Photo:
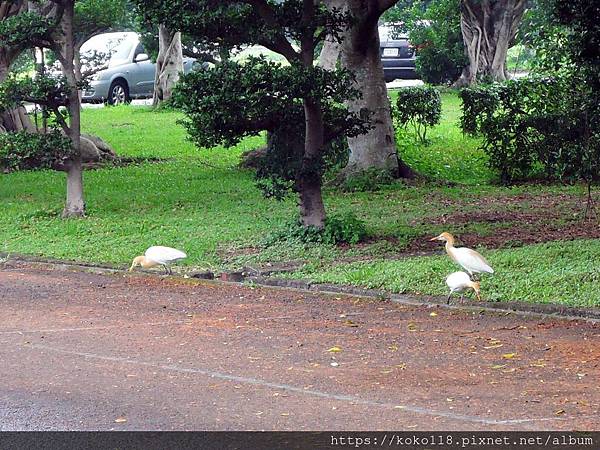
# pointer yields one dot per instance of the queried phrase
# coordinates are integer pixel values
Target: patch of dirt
(517, 220)
(533, 216)
(510, 220)
(515, 236)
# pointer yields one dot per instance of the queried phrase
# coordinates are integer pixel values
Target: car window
(139, 49)
(121, 54)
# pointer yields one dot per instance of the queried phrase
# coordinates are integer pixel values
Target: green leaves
(420, 106)
(29, 151)
(44, 90)
(338, 229)
(232, 101)
(24, 30)
(537, 127)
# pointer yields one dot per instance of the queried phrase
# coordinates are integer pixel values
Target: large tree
(169, 64)
(272, 97)
(360, 53)
(358, 50)
(50, 25)
(488, 28)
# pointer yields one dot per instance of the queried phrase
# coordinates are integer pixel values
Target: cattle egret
(460, 282)
(468, 259)
(158, 255)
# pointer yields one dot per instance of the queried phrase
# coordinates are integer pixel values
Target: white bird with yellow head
(158, 255)
(468, 259)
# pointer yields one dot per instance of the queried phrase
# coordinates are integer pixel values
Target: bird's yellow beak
(437, 238)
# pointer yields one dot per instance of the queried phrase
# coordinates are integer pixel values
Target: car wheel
(118, 94)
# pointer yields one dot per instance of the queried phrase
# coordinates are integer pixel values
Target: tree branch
(384, 5)
(280, 44)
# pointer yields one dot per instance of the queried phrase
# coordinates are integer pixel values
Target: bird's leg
(448, 299)
(462, 297)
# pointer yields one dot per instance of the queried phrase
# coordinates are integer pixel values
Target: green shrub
(535, 128)
(419, 106)
(31, 151)
(479, 103)
(338, 229)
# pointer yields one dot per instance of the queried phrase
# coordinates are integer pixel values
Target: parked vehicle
(130, 74)
(397, 55)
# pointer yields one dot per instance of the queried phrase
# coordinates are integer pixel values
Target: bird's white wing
(471, 260)
(164, 255)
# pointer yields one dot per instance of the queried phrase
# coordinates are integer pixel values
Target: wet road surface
(84, 351)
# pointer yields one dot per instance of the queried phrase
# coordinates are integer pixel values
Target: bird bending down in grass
(460, 282)
(158, 255)
(468, 259)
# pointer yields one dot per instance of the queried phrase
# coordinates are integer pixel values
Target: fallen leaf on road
(120, 420)
(334, 349)
(487, 347)
(559, 412)
(349, 323)
(508, 355)
(334, 364)
(433, 314)
(393, 348)
(412, 327)
(499, 366)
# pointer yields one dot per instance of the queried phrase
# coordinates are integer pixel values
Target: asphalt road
(83, 351)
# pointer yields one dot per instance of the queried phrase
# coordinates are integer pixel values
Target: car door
(142, 75)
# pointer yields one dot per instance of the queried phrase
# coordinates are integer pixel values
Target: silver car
(130, 74)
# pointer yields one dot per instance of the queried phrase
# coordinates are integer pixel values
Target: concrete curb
(520, 308)
(541, 310)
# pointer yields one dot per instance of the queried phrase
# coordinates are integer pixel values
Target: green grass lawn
(201, 202)
(450, 155)
(545, 273)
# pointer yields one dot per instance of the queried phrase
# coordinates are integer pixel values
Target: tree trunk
(308, 184)
(169, 64)
(360, 53)
(14, 119)
(77, 70)
(488, 29)
(75, 205)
